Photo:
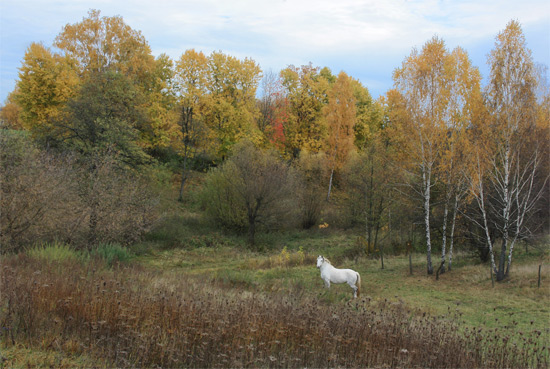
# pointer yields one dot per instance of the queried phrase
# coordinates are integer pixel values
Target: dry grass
(139, 317)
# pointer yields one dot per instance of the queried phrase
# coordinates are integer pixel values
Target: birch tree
(509, 162)
(463, 82)
(423, 84)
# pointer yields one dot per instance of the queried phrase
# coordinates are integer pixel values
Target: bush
(312, 192)
(220, 200)
(48, 196)
(252, 188)
(112, 253)
(38, 199)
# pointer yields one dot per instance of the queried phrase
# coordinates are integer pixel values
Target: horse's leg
(354, 287)
(327, 283)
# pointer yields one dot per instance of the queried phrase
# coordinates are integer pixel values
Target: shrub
(38, 197)
(252, 188)
(48, 197)
(311, 192)
(112, 253)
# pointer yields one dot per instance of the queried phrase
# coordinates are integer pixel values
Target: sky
(367, 39)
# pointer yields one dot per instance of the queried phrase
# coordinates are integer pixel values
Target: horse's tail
(358, 284)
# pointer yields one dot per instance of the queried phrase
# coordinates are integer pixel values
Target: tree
(423, 84)
(100, 43)
(253, 187)
(267, 102)
(46, 82)
(191, 81)
(507, 165)
(273, 110)
(102, 124)
(161, 130)
(369, 115)
(10, 113)
(312, 173)
(105, 117)
(437, 94)
(368, 179)
(36, 193)
(306, 91)
(340, 117)
(230, 109)
(463, 106)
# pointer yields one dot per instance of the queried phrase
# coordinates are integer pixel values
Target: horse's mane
(327, 260)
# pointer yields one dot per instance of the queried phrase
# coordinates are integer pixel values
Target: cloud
(366, 38)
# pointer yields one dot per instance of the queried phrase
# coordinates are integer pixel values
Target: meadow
(192, 296)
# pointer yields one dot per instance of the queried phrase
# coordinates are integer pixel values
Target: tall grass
(60, 254)
(112, 253)
(136, 317)
(54, 252)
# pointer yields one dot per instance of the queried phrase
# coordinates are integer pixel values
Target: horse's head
(320, 261)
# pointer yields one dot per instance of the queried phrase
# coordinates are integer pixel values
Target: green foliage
(105, 117)
(221, 202)
(54, 252)
(112, 253)
(251, 188)
(313, 173)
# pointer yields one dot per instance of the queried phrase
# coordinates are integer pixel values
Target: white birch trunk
(479, 195)
(426, 178)
(444, 237)
(455, 210)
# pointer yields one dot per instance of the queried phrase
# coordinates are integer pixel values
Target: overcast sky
(367, 39)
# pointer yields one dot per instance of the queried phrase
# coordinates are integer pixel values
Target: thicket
(51, 196)
(133, 317)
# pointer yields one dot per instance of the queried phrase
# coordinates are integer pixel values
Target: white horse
(331, 274)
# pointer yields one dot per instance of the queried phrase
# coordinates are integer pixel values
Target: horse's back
(343, 276)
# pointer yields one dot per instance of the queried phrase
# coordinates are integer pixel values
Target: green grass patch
(112, 253)
(19, 357)
(54, 252)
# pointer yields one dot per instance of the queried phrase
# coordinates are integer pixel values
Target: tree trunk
(480, 199)
(376, 243)
(252, 219)
(367, 228)
(251, 231)
(505, 215)
(444, 237)
(427, 184)
(501, 261)
(330, 184)
(187, 118)
(452, 235)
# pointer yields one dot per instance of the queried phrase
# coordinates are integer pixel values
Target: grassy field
(192, 296)
(517, 303)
